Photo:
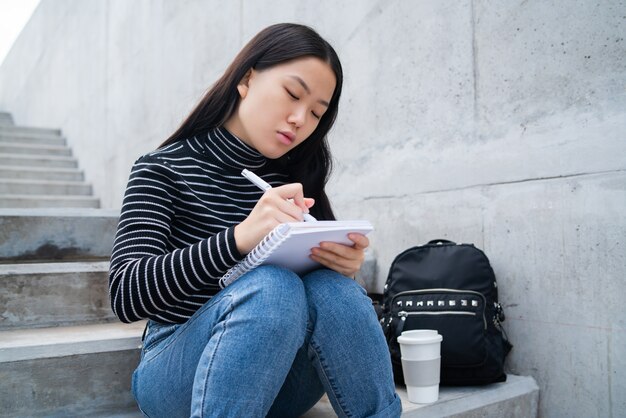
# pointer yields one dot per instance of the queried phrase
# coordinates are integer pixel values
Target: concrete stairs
(37, 169)
(62, 353)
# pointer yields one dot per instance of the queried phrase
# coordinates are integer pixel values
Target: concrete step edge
(34, 139)
(41, 343)
(458, 401)
(33, 182)
(63, 170)
(6, 118)
(46, 197)
(53, 268)
(28, 130)
(462, 401)
(36, 151)
(128, 412)
(38, 157)
(60, 212)
(35, 147)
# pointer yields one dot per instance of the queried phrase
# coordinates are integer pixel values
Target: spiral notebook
(289, 246)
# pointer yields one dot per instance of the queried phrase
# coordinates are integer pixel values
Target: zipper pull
(499, 312)
(400, 327)
(382, 321)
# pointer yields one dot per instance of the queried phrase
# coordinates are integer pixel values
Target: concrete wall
(497, 123)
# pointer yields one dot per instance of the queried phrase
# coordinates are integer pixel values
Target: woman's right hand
(272, 209)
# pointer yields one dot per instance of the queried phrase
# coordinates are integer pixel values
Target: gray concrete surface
(44, 387)
(368, 275)
(53, 294)
(44, 187)
(56, 234)
(71, 371)
(45, 201)
(501, 125)
(18, 148)
(12, 136)
(518, 397)
(6, 119)
(60, 174)
(35, 173)
(62, 341)
(51, 161)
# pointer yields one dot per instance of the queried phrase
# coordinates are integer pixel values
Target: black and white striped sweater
(175, 236)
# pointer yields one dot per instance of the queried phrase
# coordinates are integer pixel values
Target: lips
(285, 137)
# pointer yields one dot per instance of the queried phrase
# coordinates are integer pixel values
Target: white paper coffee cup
(421, 364)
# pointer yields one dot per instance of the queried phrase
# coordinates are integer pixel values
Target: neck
(234, 126)
(227, 148)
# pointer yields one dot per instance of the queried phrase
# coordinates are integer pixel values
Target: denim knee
(278, 297)
(332, 295)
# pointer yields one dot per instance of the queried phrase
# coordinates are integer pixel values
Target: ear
(244, 84)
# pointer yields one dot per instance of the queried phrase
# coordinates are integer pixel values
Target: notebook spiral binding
(256, 256)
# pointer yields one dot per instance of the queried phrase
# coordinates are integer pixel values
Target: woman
(271, 343)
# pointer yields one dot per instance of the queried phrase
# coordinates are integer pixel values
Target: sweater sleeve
(146, 279)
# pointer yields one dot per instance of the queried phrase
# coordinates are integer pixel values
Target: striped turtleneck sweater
(175, 236)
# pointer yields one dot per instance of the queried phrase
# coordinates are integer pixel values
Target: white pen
(263, 185)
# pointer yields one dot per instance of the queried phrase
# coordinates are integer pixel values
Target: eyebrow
(307, 89)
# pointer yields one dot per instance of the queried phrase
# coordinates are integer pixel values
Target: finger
(284, 211)
(341, 250)
(293, 191)
(335, 259)
(346, 271)
(272, 199)
(309, 202)
(361, 242)
(288, 207)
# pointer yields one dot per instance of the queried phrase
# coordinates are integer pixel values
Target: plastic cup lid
(420, 336)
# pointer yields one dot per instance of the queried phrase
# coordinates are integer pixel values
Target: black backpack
(450, 288)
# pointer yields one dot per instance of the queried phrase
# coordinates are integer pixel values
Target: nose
(297, 116)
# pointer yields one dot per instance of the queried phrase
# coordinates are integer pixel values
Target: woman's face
(281, 106)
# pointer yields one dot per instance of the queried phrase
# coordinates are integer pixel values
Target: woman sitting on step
(271, 343)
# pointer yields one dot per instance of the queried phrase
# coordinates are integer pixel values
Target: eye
(293, 96)
(315, 115)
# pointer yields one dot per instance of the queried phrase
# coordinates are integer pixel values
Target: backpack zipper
(442, 290)
(404, 314)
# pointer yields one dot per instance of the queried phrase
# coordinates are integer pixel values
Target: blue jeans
(270, 344)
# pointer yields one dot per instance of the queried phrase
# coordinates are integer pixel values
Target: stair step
(28, 130)
(46, 343)
(22, 138)
(132, 413)
(34, 149)
(6, 119)
(54, 234)
(38, 173)
(38, 161)
(43, 187)
(518, 397)
(44, 201)
(68, 371)
(75, 371)
(52, 294)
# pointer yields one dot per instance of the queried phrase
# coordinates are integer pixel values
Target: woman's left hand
(343, 259)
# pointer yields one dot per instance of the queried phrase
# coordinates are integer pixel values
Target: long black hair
(310, 163)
